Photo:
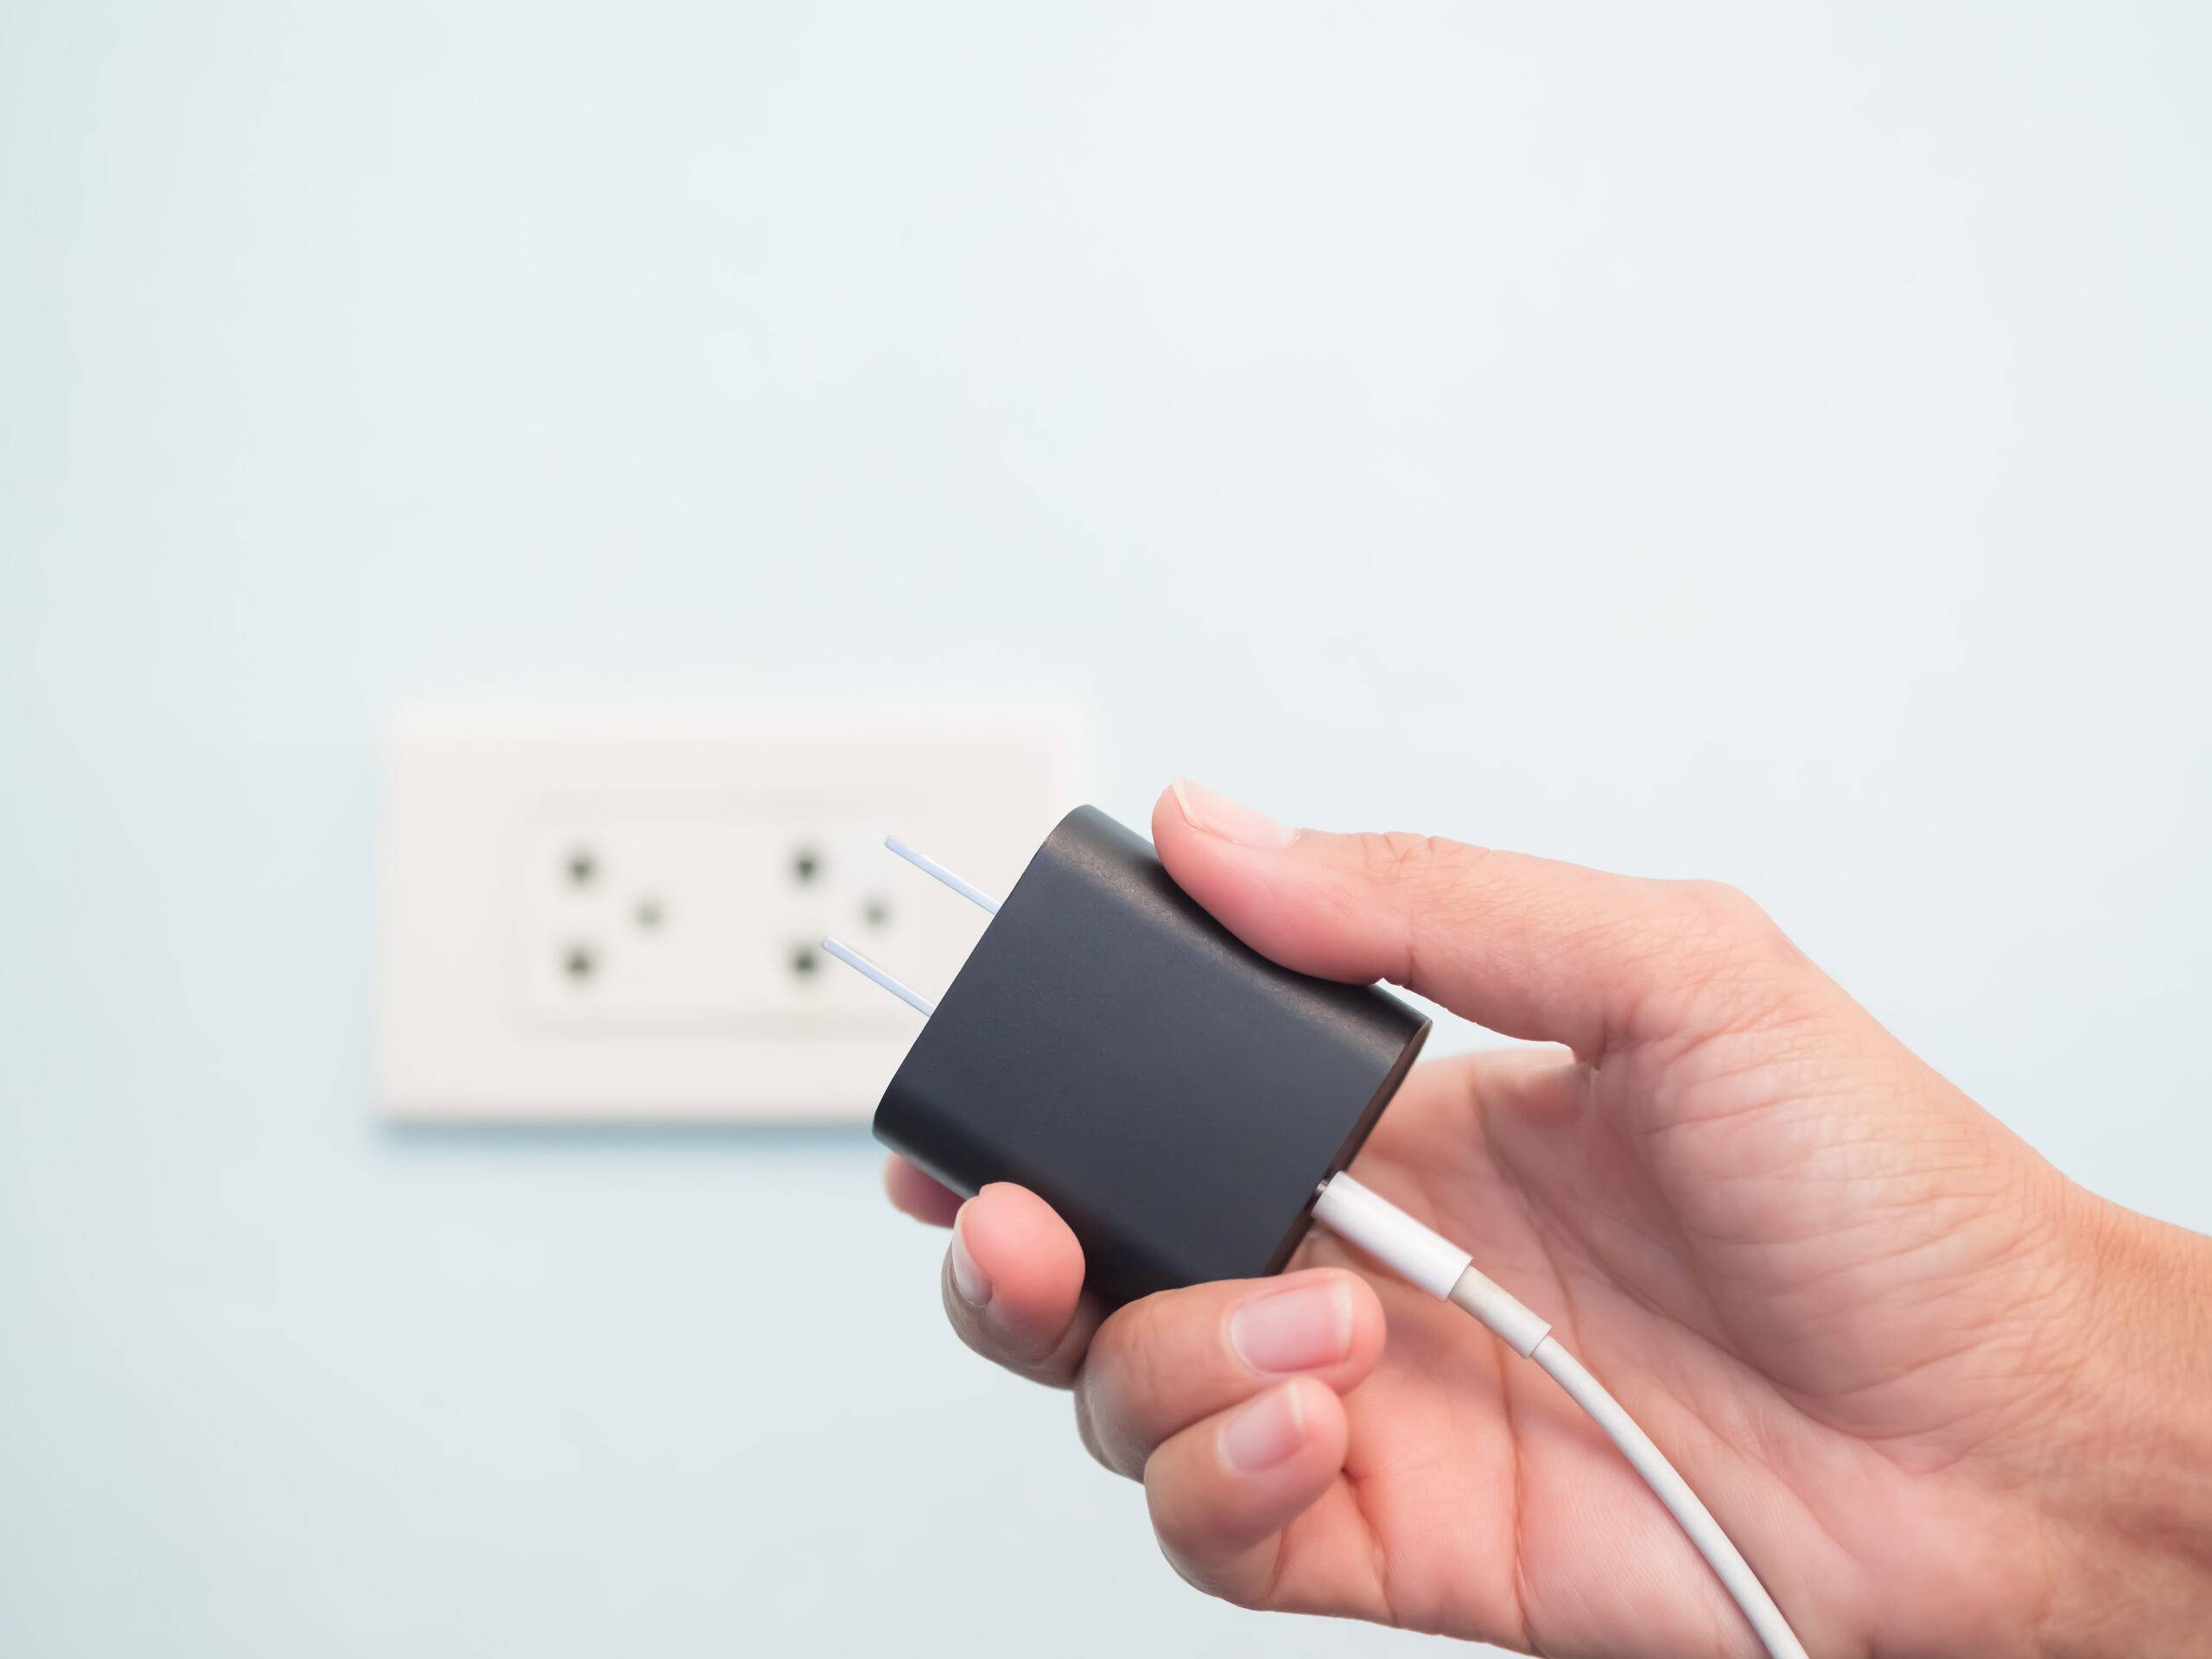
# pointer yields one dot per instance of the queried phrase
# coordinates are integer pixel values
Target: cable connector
(1417, 1254)
(1424, 1257)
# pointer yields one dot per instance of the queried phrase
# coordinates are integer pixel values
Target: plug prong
(924, 862)
(906, 994)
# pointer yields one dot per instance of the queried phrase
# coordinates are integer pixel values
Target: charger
(1189, 1108)
(1176, 1097)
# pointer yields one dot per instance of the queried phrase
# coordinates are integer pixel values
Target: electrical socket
(617, 919)
(665, 917)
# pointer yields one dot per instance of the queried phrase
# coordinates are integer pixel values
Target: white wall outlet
(619, 919)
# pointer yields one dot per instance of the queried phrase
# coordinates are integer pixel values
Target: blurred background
(1765, 441)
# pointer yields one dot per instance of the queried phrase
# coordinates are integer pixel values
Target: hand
(1944, 1401)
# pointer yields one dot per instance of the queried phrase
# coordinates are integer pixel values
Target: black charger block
(1176, 1097)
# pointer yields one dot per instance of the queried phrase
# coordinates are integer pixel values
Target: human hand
(1943, 1399)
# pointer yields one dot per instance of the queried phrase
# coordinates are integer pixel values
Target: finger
(1222, 1491)
(1522, 945)
(1013, 1285)
(917, 1195)
(1160, 1364)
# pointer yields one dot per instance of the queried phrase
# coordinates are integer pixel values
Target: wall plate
(617, 917)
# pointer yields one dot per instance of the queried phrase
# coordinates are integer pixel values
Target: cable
(1446, 1271)
(1726, 1560)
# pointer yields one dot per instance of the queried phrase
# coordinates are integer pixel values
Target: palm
(1733, 1246)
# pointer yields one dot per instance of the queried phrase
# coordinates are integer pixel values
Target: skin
(1945, 1401)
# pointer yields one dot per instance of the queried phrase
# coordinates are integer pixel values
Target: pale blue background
(1761, 441)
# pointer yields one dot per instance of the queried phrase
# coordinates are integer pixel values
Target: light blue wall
(1763, 440)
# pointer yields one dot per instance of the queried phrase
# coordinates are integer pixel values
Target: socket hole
(875, 912)
(650, 915)
(578, 963)
(581, 867)
(806, 865)
(806, 962)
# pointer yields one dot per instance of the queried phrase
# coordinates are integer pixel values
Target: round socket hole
(806, 961)
(806, 866)
(876, 912)
(581, 867)
(580, 962)
(649, 915)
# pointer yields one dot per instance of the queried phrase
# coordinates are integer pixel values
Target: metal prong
(924, 862)
(852, 958)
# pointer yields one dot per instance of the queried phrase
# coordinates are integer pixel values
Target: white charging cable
(1444, 1270)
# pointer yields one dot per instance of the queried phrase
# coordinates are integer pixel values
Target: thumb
(1526, 946)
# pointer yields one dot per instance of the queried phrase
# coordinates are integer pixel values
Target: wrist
(2128, 1485)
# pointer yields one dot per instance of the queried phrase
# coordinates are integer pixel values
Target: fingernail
(973, 1284)
(1300, 1330)
(1262, 1434)
(1214, 812)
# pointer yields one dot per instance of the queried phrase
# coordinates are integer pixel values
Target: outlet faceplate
(594, 918)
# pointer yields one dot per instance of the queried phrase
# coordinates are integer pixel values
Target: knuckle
(1086, 1423)
(1728, 909)
(1122, 1387)
(1181, 1547)
(1143, 1356)
(1208, 1582)
(1400, 856)
(1193, 1557)
(1722, 950)
(1710, 923)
